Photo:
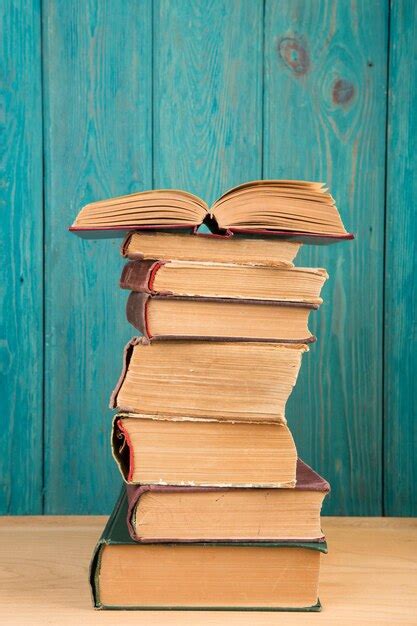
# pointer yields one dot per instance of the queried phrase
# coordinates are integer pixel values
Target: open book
(295, 209)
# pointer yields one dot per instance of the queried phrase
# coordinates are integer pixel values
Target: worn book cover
(219, 319)
(223, 381)
(179, 512)
(224, 280)
(125, 574)
(206, 247)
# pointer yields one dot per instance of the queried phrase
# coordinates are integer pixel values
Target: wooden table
(368, 577)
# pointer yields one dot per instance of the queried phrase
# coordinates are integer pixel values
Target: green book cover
(116, 533)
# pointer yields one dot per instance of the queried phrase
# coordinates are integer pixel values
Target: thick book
(296, 209)
(151, 451)
(224, 280)
(244, 576)
(222, 381)
(219, 319)
(199, 246)
(160, 513)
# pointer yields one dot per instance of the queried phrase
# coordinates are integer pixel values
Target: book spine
(136, 312)
(127, 353)
(139, 275)
(95, 563)
(124, 248)
(122, 449)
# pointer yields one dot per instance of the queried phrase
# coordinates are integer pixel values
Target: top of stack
(298, 210)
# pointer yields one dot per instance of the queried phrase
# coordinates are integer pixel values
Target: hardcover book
(268, 576)
(295, 209)
(199, 246)
(224, 280)
(219, 319)
(203, 453)
(221, 381)
(159, 513)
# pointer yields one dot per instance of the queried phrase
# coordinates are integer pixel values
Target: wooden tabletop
(368, 577)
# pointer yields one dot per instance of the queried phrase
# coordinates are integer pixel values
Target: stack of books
(218, 511)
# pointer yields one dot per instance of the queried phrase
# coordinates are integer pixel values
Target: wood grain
(325, 80)
(21, 325)
(98, 144)
(207, 94)
(202, 95)
(368, 577)
(400, 274)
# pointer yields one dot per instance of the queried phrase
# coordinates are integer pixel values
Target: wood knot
(294, 55)
(343, 91)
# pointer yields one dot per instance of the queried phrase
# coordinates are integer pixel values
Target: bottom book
(273, 576)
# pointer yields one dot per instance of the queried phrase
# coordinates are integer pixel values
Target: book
(219, 319)
(268, 576)
(201, 246)
(159, 513)
(224, 381)
(224, 280)
(203, 453)
(274, 207)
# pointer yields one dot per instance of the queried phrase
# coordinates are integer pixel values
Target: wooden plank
(98, 144)
(401, 258)
(21, 328)
(207, 94)
(325, 81)
(368, 577)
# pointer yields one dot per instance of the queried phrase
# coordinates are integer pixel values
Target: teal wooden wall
(100, 98)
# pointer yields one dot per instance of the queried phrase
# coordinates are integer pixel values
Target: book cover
(207, 247)
(170, 378)
(232, 281)
(306, 480)
(137, 313)
(121, 232)
(116, 533)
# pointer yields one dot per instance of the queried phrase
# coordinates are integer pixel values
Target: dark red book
(161, 513)
(224, 280)
(219, 319)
